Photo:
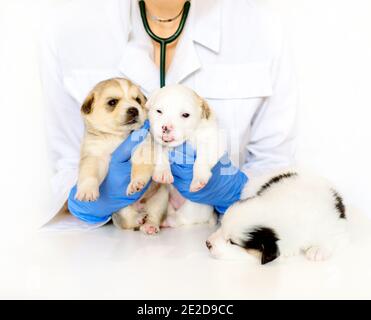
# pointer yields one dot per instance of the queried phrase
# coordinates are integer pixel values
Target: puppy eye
(139, 100)
(185, 115)
(159, 111)
(113, 102)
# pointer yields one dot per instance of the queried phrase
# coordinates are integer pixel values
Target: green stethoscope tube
(163, 41)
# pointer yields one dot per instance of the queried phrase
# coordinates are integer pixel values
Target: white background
(331, 40)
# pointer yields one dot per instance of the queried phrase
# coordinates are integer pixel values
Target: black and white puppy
(283, 214)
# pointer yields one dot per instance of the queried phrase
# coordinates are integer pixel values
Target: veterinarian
(232, 53)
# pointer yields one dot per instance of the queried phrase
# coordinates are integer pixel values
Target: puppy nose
(208, 244)
(167, 128)
(133, 112)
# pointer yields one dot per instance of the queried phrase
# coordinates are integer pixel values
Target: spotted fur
(339, 204)
(275, 180)
(263, 240)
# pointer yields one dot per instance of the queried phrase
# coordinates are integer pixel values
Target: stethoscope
(163, 41)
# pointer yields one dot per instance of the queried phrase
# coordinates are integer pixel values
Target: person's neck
(164, 9)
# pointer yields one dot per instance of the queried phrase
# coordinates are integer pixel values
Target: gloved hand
(224, 187)
(113, 189)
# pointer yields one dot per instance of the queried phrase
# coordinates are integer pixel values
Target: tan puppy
(112, 110)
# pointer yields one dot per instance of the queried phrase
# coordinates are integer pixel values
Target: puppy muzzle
(132, 115)
(167, 138)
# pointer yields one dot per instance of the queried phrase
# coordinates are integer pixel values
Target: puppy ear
(88, 104)
(264, 240)
(206, 111)
(151, 99)
(269, 252)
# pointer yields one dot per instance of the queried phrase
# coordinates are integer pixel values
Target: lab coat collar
(205, 23)
(203, 26)
(136, 61)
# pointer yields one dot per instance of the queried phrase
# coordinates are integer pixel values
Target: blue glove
(113, 189)
(224, 187)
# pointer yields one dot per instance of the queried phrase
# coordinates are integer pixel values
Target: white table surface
(108, 263)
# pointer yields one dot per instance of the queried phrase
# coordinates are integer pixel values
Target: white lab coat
(231, 52)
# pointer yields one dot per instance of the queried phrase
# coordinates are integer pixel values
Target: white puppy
(290, 212)
(177, 115)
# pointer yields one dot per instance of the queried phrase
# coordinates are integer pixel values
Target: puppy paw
(141, 219)
(88, 190)
(135, 186)
(197, 185)
(317, 253)
(200, 180)
(150, 228)
(163, 176)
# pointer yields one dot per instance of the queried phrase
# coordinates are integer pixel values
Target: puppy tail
(263, 240)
